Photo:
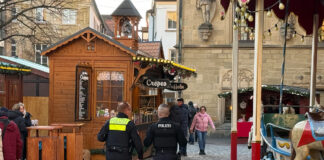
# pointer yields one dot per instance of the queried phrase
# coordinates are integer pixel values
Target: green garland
(276, 88)
(6, 68)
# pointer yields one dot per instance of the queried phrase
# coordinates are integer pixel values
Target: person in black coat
(17, 115)
(180, 114)
(192, 113)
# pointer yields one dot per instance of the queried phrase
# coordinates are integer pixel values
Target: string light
(276, 27)
(269, 32)
(302, 39)
(236, 20)
(294, 34)
(235, 27)
(281, 6)
(237, 9)
(250, 18)
(269, 14)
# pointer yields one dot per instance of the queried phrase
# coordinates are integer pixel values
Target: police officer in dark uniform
(165, 135)
(121, 136)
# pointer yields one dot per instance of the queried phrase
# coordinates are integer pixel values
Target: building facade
(210, 52)
(162, 20)
(73, 16)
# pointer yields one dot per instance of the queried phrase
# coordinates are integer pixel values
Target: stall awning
(7, 68)
(292, 90)
(35, 68)
(170, 66)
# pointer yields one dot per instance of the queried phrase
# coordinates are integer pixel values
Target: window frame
(67, 19)
(40, 51)
(13, 44)
(170, 54)
(95, 81)
(14, 12)
(42, 18)
(167, 21)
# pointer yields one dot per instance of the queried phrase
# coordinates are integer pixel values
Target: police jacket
(121, 134)
(165, 134)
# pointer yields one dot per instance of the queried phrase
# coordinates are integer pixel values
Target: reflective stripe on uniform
(118, 124)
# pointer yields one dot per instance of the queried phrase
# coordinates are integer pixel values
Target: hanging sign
(83, 84)
(177, 86)
(156, 83)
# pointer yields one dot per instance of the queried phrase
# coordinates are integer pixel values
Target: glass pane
(44, 60)
(38, 47)
(38, 58)
(110, 90)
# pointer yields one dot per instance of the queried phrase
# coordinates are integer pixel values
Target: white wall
(161, 32)
(94, 19)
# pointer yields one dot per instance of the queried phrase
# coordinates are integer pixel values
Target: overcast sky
(108, 6)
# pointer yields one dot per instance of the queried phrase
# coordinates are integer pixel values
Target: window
(69, 16)
(13, 48)
(172, 20)
(173, 55)
(14, 13)
(1, 51)
(39, 58)
(109, 91)
(39, 15)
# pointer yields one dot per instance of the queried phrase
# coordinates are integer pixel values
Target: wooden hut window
(110, 91)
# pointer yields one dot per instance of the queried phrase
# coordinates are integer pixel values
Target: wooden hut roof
(83, 34)
(126, 8)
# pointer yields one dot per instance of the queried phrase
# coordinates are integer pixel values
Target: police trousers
(165, 156)
(118, 156)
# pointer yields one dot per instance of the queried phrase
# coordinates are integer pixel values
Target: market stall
(296, 97)
(11, 83)
(90, 73)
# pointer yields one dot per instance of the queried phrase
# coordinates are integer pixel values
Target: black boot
(201, 152)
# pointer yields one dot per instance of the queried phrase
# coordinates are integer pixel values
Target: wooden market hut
(11, 83)
(91, 72)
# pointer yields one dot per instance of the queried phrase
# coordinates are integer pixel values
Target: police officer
(120, 135)
(165, 134)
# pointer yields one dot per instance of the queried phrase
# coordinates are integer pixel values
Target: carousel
(272, 129)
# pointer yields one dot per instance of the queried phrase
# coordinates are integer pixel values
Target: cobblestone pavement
(217, 149)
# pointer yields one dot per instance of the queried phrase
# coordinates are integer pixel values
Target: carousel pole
(256, 138)
(234, 89)
(314, 62)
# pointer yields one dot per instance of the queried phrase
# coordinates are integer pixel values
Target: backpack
(2, 133)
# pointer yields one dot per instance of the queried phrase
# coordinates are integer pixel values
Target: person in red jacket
(11, 141)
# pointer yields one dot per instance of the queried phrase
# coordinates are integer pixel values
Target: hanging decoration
(275, 88)
(169, 67)
(6, 68)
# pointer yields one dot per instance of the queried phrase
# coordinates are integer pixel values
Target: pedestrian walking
(192, 113)
(165, 135)
(180, 114)
(16, 116)
(197, 110)
(27, 120)
(121, 135)
(200, 123)
(10, 137)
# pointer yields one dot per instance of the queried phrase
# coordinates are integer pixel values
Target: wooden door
(14, 90)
